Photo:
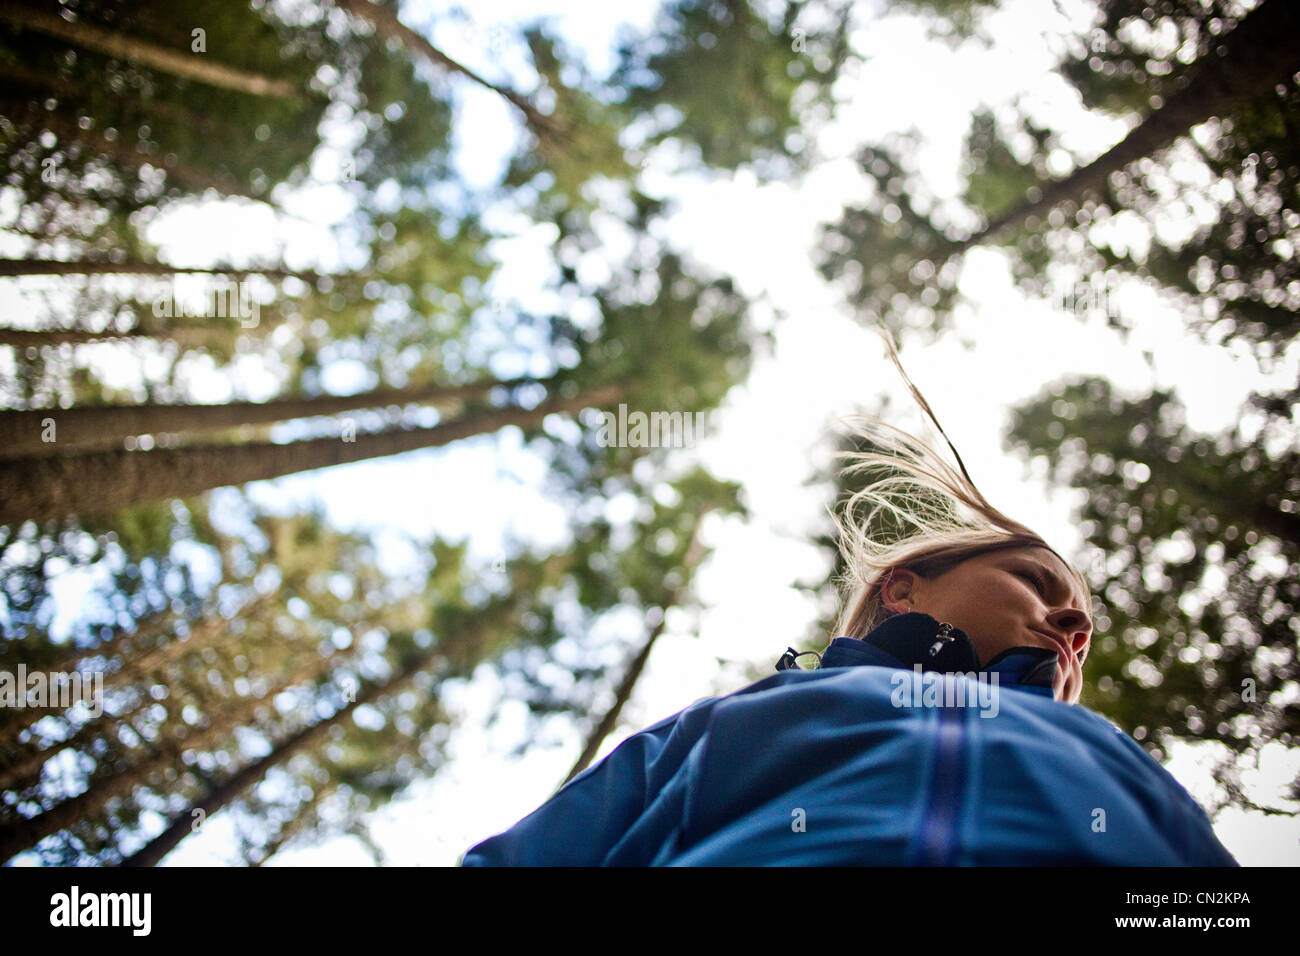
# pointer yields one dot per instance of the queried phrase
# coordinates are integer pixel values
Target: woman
(941, 729)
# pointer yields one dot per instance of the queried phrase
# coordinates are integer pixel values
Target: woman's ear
(898, 591)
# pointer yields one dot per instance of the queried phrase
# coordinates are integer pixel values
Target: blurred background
(311, 313)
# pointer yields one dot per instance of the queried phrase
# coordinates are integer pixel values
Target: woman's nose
(1074, 624)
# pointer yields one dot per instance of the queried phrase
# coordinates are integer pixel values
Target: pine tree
(1196, 541)
(232, 697)
(1191, 538)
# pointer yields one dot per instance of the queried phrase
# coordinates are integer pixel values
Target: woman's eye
(1032, 579)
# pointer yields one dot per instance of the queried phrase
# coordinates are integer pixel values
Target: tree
(903, 247)
(1191, 537)
(1255, 58)
(771, 75)
(100, 483)
(131, 74)
(230, 696)
(131, 49)
(689, 344)
(126, 139)
(329, 625)
(88, 426)
(1196, 557)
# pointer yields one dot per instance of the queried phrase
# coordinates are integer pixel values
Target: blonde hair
(919, 513)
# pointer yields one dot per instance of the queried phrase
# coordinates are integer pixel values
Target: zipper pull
(945, 634)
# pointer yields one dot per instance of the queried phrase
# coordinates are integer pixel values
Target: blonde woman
(940, 728)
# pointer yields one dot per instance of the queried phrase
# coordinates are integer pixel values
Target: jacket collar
(905, 640)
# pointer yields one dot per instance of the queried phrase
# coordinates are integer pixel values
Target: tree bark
(102, 483)
(22, 834)
(1260, 53)
(26, 338)
(189, 177)
(198, 68)
(81, 428)
(51, 83)
(55, 267)
(204, 633)
(182, 826)
(151, 626)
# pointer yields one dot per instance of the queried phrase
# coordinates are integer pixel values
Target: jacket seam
(945, 790)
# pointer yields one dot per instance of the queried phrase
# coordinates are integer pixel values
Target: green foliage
(314, 619)
(1197, 545)
(1235, 274)
(105, 101)
(74, 184)
(1134, 55)
(645, 565)
(734, 82)
(996, 180)
(580, 141)
(891, 255)
(1193, 539)
(222, 631)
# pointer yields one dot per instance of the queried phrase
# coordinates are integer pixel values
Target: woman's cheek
(1075, 684)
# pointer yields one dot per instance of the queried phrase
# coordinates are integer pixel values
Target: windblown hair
(916, 511)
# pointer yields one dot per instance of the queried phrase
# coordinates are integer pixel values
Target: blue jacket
(896, 751)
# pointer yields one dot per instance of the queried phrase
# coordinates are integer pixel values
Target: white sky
(823, 365)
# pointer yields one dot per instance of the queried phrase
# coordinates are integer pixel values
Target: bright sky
(823, 365)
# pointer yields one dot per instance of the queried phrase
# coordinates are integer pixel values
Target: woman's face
(1002, 599)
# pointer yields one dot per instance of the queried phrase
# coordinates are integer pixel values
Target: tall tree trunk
(27, 338)
(204, 633)
(80, 428)
(56, 267)
(190, 177)
(198, 68)
(388, 25)
(52, 83)
(1259, 54)
(146, 628)
(165, 842)
(183, 335)
(28, 764)
(607, 723)
(102, 483)
(22, 834)
(151, 626)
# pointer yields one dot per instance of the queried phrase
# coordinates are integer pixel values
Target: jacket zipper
(939, 820)
(945, 634)
(939, 823)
